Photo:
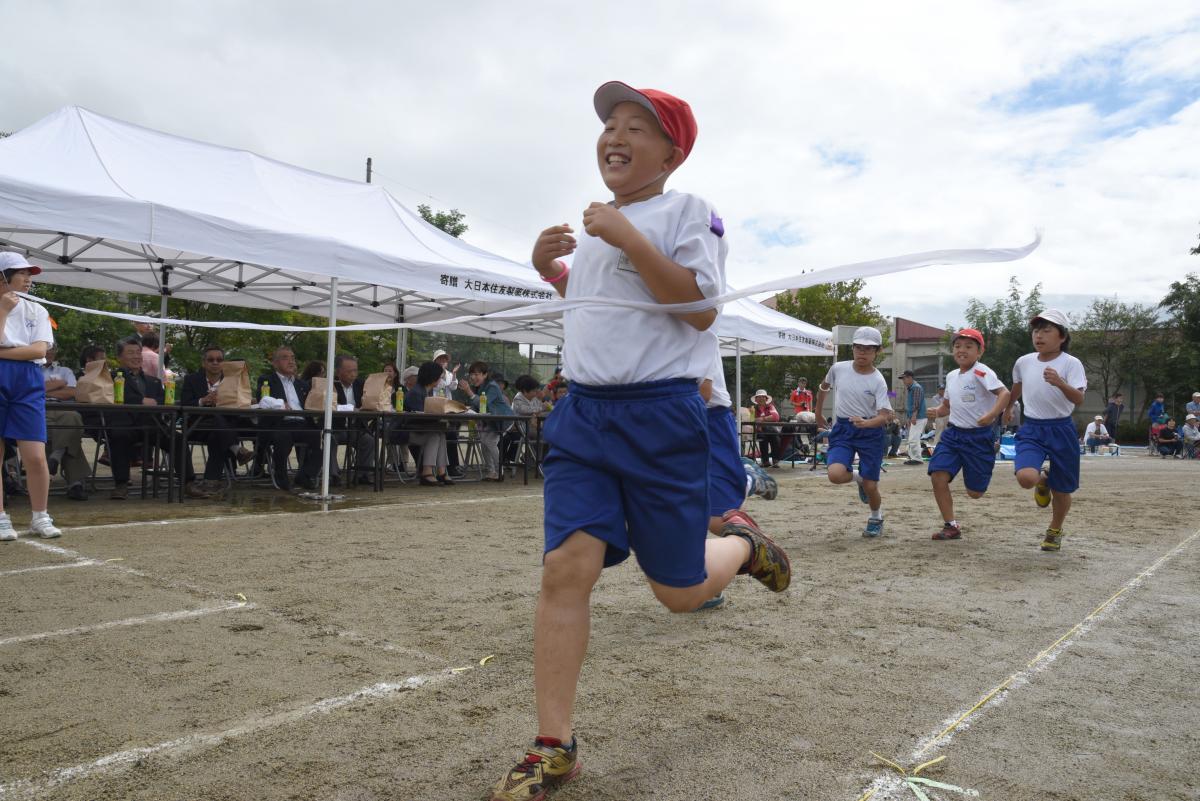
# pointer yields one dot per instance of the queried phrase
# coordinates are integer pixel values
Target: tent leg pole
(401, 341)
(162, 326)
(737, 401)
(327, 427)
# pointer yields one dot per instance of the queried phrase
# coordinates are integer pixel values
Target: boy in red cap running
(627, 467)
(975, 397)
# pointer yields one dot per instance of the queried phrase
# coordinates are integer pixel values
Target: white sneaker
(7, 532)
(44, 527)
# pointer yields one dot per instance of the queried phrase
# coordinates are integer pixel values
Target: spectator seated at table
(64, 428)
(528, 402)
(480, 384)
(218, 432)
(125, 431)
(768, 435)
(1191, 436)
(1096, 434)
(288, 391)
(428, 435)
(348, 389)
(1167, 441)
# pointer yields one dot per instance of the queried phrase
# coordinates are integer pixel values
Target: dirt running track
(333, 680)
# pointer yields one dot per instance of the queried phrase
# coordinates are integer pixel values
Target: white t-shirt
(607, 345)
(857, 395)
(1043, 401)
(970, 394)
(716, 372)
(1094, 429)
(27, 323)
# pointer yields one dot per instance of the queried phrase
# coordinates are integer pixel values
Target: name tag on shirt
(625, 265)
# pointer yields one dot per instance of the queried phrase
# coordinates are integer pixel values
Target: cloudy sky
(827, 134)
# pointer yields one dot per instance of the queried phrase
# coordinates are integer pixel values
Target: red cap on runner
(674, 115)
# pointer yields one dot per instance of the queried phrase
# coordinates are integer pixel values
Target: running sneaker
(765, 484)
(948, 532)
(547, 764)
(1041, 493)
(711, 603)
(768, 562)
(7, 532)
(1053, 540)
(862, 491)
(874, 527)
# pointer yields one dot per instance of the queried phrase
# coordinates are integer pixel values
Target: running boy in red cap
(1050, 382)
(975, 397)
(627, 467)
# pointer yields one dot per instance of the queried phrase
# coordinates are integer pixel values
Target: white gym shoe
(7, 532)
(43, 526)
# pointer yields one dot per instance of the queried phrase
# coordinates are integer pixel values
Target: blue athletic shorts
(971, 450)
(845, 440)
(629, 465)
(726, 473)
(22, 401)
(1056, 440)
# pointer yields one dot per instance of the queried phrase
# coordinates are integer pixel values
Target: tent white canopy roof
(104, 204)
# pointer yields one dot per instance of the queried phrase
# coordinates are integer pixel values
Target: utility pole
(368, 169)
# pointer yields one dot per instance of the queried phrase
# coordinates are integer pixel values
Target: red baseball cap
(970, 333)
(674, 115)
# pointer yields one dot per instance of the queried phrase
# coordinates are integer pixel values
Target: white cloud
(487, 108)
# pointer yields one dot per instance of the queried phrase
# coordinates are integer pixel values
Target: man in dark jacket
(349, 392)
(218, 432)
(127, 430)
(285, 432)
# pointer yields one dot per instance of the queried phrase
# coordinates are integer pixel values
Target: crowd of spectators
(125, 440)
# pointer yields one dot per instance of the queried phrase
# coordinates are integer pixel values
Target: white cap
(866, 335)
(437, 354)
(760, 392)
(1190, 417)
(1099, 417)
(1053, 316)
(409, 371)
(15, 261)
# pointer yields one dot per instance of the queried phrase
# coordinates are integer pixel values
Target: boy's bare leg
(561, 628)
(37, 474)
(722, 559)
(941, 494)
(874, 499)
(1029, 477)
(1060, 504)
(839, 474)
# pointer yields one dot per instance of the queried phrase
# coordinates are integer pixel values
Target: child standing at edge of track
(861, 410)
(1050, 382)
(627, 468)
(26, 337)
(975, 398)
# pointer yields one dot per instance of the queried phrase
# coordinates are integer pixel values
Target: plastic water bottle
(400, 399)
(169, 391)
(265, 390)
(119, 388)
(482, 403)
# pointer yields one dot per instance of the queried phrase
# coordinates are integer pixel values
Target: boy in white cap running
(1050, 382)
(861, 410)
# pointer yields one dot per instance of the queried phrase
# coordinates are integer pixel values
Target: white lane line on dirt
(159, 617)
(63, 566)
(353, 636)
(31, 788)
(266, 515)
(884, 787)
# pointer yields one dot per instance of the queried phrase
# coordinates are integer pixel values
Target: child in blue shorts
(26, 337)
(627, 466)
(1050, 382)
(861, 411)
(974, 399)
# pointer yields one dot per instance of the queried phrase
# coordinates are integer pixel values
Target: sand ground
(335, 679)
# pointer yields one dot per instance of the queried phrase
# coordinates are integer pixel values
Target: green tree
(1116, 343)
(824, 305)
(1005, 326)
(449, 221)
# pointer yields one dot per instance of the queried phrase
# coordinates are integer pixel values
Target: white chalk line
(266, 515)
(63, 566)
(886, 785)
(158, 617)
(31, 788)
(354, 637)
